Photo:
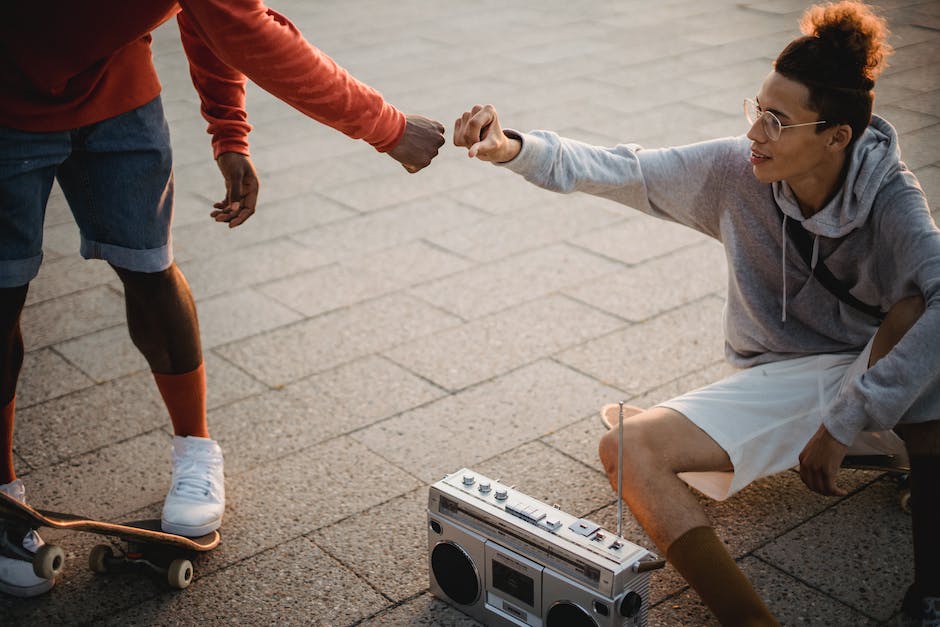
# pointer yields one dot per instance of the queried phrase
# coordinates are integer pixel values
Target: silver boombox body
(507, 559)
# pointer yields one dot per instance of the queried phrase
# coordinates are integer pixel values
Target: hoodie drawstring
(812, 264)
(783, 269)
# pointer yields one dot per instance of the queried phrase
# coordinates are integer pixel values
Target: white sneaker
(196, 500)
(16, 568)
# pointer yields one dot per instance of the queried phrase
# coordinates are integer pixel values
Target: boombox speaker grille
(455, 573)
(564, 614)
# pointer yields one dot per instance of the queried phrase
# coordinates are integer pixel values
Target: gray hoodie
(876, 236)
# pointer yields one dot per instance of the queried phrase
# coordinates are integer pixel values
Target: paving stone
(246, 267)
(487, 347)
(522, 230)
(88, 419)
(409, 264)
(70, 316)
(651, 353)
(67, 275)
(334, 338)
(310, 489)
(310, 588)
(919, 146)
(424, 610)
(45, 375)
(385, 229)
(375, 388)
(495, 417)
(639, 239)
(237, 315)
(327, 289)
(641, 292)
(503, 284)
(852, 538)
(391, 553)
(104, 355)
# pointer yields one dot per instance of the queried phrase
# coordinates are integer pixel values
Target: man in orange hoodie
(81, 104)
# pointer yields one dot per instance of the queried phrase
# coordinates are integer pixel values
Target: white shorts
(764, 416)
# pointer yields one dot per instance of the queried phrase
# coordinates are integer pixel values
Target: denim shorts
(117, 177)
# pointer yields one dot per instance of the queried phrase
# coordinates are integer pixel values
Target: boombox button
(617, 545)
(469, 479)
(484, 487)
(501, 494)
(598, 537)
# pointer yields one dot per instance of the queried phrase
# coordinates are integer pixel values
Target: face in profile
(789, 154)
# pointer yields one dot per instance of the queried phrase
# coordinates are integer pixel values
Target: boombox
(505, 558)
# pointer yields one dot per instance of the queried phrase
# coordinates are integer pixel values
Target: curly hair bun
(852, 42)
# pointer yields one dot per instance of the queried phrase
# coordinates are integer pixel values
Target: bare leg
(161, 318)
(663, 443)
(12, 301)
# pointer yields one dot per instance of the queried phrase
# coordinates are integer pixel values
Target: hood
(875, 156)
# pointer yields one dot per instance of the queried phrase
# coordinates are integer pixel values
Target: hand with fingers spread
(478, 129)
(241, 189)
(419, 144)
(820, 461)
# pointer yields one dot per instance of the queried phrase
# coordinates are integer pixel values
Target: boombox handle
(620, 473)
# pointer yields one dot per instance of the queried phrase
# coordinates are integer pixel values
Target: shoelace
(194, 477)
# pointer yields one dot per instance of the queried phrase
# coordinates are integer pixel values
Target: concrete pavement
(368, 331)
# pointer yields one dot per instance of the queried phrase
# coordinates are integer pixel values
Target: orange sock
(185, 398)
(701, 558)
(7, 474)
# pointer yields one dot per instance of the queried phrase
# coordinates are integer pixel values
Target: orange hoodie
(69, 64)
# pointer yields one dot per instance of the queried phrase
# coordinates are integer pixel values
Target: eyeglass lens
(771, 124)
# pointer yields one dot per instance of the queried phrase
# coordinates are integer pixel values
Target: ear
(840, 137)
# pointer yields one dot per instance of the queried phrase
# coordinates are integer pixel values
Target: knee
(149, 283)
(633, 450)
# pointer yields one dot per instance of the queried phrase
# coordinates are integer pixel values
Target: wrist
(511, 148)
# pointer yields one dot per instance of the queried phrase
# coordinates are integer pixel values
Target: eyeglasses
(771, 124)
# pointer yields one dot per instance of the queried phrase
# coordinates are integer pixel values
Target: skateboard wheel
(180, 574)
(905, 501)
(98, 558)
(48, 561)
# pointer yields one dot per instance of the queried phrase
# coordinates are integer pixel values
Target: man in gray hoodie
(820, 365)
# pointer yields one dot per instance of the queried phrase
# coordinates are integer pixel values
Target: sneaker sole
(30, 591)
(188, 531)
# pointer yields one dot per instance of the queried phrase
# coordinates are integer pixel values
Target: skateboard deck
(147, 545)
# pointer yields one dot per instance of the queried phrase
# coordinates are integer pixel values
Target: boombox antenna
(620, 474)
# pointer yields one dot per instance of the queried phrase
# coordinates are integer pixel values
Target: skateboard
(894, 465)
(147, 547)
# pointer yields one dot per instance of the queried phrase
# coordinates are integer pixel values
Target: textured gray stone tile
(866, 537)
(226, 383)
(385, 229)
(523, 229)
(247, 266)
(375, 388)
(905, 120)
(391, 550)
(310, 588)
(658, 285)
(45, 375)
(109, 482)
(929, 178)
(70, 316)
(67, 275)
(88, 419)
(501, 192)
(489, 346)
(380, 192)
(639, 239)
(240, 314)
(328, 288)
(424, 610)
(104, 355)
(503, 284)
(60, 240)
(918, 148)
(648, 354)
(322, 343)
(409, 264)
(492, 418)
(308, 490)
